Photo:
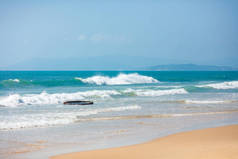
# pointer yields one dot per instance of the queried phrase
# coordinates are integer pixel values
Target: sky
(116, 34)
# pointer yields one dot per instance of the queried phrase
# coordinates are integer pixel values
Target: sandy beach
(219, 143)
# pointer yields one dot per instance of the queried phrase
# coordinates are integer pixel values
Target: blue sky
(110, 34)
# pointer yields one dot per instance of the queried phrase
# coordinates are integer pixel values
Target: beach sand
(211, 143)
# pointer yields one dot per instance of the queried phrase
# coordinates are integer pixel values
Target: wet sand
(211, 143)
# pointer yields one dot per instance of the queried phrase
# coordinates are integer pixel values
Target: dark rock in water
(78, 102)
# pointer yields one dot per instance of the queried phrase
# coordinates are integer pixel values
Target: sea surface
(129, 107)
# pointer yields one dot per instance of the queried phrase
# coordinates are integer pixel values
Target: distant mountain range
(190, 67)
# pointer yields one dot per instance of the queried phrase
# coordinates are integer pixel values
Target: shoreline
(218, 142)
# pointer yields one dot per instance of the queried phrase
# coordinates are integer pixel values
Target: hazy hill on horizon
(190, 67)
(108, 62)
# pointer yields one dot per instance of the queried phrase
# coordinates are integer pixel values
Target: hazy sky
(114, 34)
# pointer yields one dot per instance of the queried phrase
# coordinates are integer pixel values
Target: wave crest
(121, 79)
(207, 101)
(44, 98)
(156, 92)
(13, 80)
(223, 85)
(57, 98)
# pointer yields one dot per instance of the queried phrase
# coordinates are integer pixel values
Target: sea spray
(152, 93)
(223, 85)
(57, 98)
(121, 79)
(45, 98)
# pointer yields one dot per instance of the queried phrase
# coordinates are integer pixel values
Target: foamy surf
(62, 118)
(55, 118)
(121, 79)
(58, 98)
(13, 80)
(223, 85)
(146, 92)
(127, 117)
(207, 101)
(45, 98)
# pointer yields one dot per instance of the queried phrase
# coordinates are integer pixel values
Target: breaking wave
(145, 92)
(57, 98)
(121, 79)
(10, 81)
(14, 80)
(223, 85)
(45, 98)
(56, 118)
(207, 101)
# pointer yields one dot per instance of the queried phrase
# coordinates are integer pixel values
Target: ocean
(129, 107)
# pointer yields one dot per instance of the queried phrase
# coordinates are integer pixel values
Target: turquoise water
(129, 107)
(45, 79)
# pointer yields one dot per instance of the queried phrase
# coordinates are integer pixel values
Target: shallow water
(130, 107)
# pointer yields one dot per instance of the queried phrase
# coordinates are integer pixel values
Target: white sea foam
(223, 85)
(168, 86)
(145, 92)
(56, 118)
(204, 113)
(207, 101)
(45, 98)
(121, 79)
(52, 119)
(57, 98)
(14, 80)
(126, 117)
